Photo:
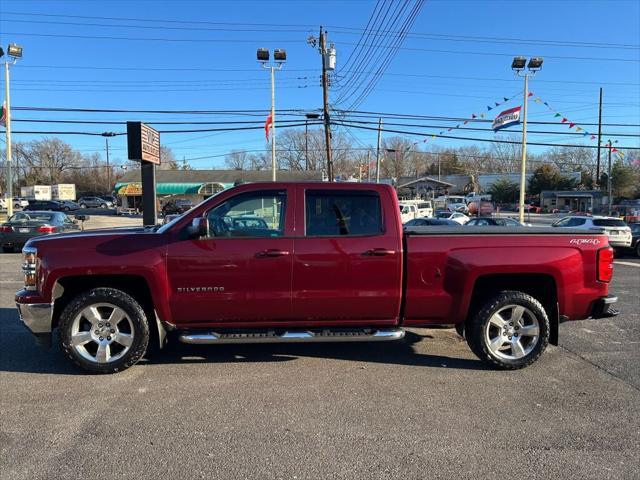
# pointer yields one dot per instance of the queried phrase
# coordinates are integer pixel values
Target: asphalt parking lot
(421, 408)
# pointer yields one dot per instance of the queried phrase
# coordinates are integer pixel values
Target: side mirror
(199, 228)
(82, 218)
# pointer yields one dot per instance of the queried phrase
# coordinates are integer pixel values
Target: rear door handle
(379, 252)
(272, 253)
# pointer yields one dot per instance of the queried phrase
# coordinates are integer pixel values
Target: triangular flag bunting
(578, 129)
(489, 108)
(482, 115)
(505, 99)
(614, 149)
(557, 115)
(571, 124)
(497, 104)
(564, 120)
(473, 115)
(530, 94)
(465, 122)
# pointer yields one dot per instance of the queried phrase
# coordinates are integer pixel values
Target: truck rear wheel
(510, 331)
(104, 330)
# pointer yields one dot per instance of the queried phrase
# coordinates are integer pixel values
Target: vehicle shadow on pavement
(19, 353)
(400, 352)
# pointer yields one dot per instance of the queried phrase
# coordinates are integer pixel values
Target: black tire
(66, 209)
(134, 312)
(638, 249)
(103, 205)
(477, 331)
(460, 329)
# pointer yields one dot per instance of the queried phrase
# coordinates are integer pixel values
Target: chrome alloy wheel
(102, 333)
(512, 332)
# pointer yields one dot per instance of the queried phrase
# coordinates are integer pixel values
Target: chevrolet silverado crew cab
(318, 262)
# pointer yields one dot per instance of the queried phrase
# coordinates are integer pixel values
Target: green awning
(134, 188)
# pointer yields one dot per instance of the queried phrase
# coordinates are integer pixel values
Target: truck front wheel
(510, 331)
(104, 330)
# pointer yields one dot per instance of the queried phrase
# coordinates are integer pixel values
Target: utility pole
(306, 144)
(106, 136)
(378, 150)
(609, 178)
(325, 98)
(599, 138)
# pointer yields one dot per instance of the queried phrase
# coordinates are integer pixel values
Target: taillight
(5, 229)
(46, 229)
(605, 264)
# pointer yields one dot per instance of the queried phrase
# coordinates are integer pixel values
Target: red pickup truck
(309, 262)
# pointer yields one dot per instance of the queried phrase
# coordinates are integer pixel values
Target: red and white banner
(267, 126)
(506, 119)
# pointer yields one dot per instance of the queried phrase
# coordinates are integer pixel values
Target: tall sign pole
(143, 145)
(8, 140)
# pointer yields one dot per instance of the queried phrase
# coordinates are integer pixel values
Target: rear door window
(335, 213)
(609, 222)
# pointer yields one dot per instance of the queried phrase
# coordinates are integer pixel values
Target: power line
(210, 40)
(406, 132)
(306, 27)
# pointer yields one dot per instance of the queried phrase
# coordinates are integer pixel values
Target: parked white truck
(36, 192)
(63, 191)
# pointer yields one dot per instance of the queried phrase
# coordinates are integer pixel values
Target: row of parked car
(106, 201)
(622, 236)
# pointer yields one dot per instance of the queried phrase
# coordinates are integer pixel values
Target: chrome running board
(297, 336)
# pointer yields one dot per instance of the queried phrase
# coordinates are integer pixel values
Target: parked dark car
(179, 206)
(493, 222)
(635, 237)
(426, 222)
(94, 202)
(22, 226)
(53, 205)
(109, 198)
(69, 205)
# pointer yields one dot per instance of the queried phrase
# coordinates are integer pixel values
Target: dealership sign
(506, 119)
(143, 143)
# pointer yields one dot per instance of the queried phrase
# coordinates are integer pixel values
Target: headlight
(29, 267)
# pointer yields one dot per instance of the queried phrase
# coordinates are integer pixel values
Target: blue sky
(154, 64)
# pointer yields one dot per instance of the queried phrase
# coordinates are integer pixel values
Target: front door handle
(272, 253)
(379, 252)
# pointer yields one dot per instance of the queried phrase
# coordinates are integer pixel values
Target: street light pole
(273, 123)
(8, 140)
(15, 52)
(523, 164)
(280, 57)
(518, 65)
